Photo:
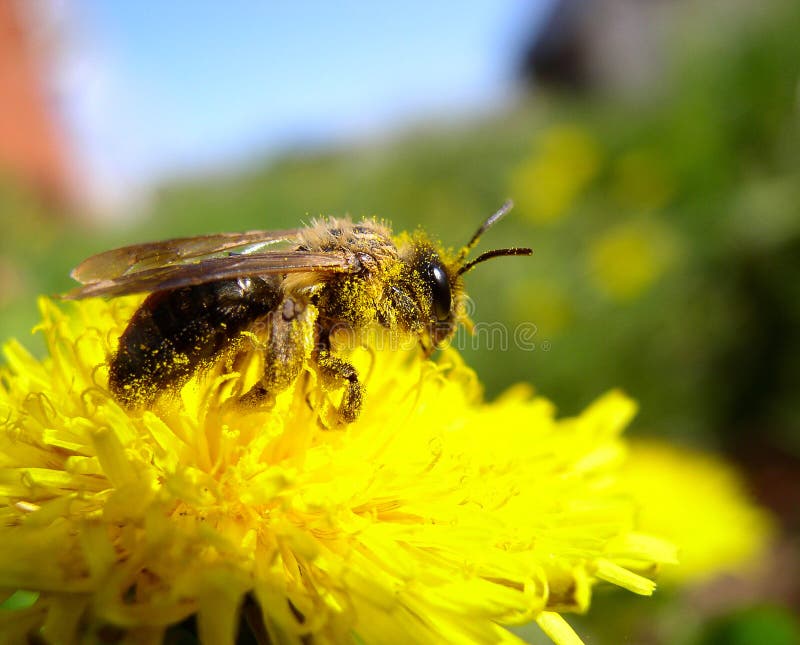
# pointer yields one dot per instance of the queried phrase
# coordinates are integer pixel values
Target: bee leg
(291, 339)
(335, 370)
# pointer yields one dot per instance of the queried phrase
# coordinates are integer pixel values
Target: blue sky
(155, 88)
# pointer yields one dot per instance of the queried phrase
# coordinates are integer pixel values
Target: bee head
(439, 291)
(441, 282)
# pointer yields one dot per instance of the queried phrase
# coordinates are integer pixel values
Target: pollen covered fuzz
(434, 517)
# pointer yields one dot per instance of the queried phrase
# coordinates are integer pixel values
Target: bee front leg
(291, 340)
(334, 371)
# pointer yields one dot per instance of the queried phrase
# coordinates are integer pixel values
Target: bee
(301, 285)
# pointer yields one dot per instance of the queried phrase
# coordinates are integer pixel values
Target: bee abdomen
(174, 333)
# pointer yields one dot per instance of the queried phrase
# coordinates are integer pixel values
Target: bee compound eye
(440, 291)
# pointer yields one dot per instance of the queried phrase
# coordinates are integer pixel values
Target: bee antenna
(491, 221)
(496, 253)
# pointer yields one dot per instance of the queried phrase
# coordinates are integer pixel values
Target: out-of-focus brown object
(32, 146)
(615, 47)
(597, 45)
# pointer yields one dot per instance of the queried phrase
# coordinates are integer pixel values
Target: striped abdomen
(174, 333)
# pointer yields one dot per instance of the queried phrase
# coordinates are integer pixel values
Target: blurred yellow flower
(628, 259)
(434, 518)
(546, 185)
(700, 503)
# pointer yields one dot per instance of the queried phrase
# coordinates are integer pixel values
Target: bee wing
(174, 276)
(136, 258)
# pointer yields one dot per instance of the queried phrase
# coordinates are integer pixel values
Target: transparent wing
(137, 258)
(173, 276)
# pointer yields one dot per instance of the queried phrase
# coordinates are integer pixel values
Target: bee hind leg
(335, 370)
(291, 339)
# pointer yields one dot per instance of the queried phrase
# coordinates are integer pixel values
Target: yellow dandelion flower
(628, 259)
(546, 185)
(703, 508)
(435, 517)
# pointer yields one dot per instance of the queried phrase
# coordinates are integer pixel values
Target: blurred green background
(665, 218)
